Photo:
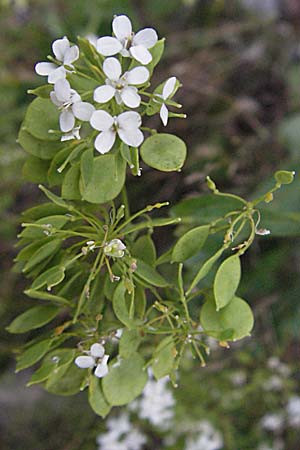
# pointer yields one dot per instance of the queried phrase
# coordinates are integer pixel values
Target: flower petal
(112, 68)
(169, 87)
(101, 370)
(44, 68)
(101, 120)
(85, 362)
(141, 54)
(164, 114)
(62, 90)
(66, 121)
(122, 27)
(108, 46)
(83, 110)
(97, 350)
(129, 119)
(71, 55)
(138, 75)
(57, 74)
(146, 37)
(130, 97)
(55, 100)
(131, 136)
(103, 94)
(59, 47)
(104, 141)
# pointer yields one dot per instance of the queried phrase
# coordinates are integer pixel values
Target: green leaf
(70, 186)
(43, 210)
(35, 170)
(56, 199)
(149, 274)
(140, 301)
(47, 224)
(82, 84)
(41, 295)
(120, 305)
(227, 280)
(97, 400)
(156, 52)
(37, 147)
(33, 354)
(144, 248)
(129, 343)
(164, 152)
(190, 243)
(54, 360)
(43, 252)
(107, 179)
(236, 318)
(205, 269)
(86, 165)
(164, 357)
(66, 380)
(26, 252)
(50, 278)
(42, 116)
(125, 381)
(33, 318)
(55, 175)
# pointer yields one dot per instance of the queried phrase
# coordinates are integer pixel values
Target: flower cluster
(121, 435)
(95, 357)
(122, 61)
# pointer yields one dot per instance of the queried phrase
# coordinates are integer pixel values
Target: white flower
(64, 53)
(69, 102)
(128, 43)
(119, 86)
(274, 383)
(73, 134)
(272, 422)
(167, 92)
(115, 248)
(121, 435)
(156, 404)
(208, 438)
(126, 125)
(293, 410)
(92, 38)
(95, 357)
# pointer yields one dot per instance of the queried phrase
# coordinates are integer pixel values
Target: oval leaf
(190, 243)
(235, 318)
(97, 400)
(227, 280)
(33, 318)
(164, 152)
(42, 116)
(125, 381)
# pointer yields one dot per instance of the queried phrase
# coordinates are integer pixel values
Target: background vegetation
(239, 63)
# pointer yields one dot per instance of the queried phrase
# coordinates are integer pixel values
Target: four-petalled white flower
(115, 248)
(126, 125)
(167, 92)
(95, 357)
(128, 43)
(70, 104)
(65, 54)
(120, 86)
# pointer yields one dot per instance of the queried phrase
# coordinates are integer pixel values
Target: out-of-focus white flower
(238, 378)
(92, 38)
(115, 248)
(207, 439)
(121, 435)
(95, 357)
(65, 54)
(274, 363)
(69, 103)
(122, 87)
(126, 125)
(272, 422)
(293, 411)
(167, 93)
(128, 43)
(73, 134)
(278, 444)
(156, 404)
(274, 383)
